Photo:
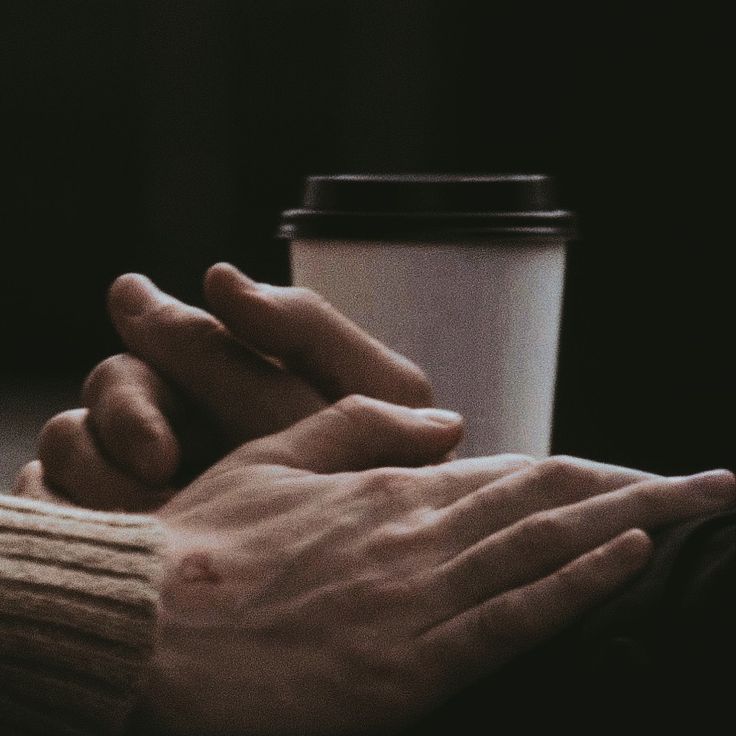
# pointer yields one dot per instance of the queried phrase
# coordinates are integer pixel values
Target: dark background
(162, 136)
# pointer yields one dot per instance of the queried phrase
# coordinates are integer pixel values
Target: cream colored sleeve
(78, 601)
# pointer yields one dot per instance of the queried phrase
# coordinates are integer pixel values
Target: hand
(200, 386)
(305, 596)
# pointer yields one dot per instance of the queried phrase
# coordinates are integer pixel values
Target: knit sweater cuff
(78, 601)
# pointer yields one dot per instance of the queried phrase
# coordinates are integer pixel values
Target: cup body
(482, 319)
(462, 273)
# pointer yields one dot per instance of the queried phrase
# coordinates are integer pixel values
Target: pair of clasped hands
(328, 569)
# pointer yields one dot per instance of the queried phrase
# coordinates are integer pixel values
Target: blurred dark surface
(163, 136)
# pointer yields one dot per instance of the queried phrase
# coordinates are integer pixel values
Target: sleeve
(78, 604)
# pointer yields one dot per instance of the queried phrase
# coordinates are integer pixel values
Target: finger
(481, 639)
(74, 467)
(312, 338)
(29, 483)
(537, 545)
(358, 433)
(130, 412)
(245, 394)
(546, 484)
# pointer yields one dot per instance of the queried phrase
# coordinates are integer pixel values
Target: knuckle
(391, 487)
(57, 437)
(443, 479)
(510, 463)
(447, 480)
(103, 375)
(355, 406)
(31, 483)
(61, 426)
(390, 480)
(650, 499)
(518, 460)
(559, 470)
(126, 417)
(29, 476)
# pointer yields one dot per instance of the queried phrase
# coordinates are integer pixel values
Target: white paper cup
(473, 297)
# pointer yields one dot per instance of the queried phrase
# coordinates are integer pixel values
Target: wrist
(165, 692)
(146, 718)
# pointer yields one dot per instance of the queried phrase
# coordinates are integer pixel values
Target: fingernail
(440, 416)
(132, 295)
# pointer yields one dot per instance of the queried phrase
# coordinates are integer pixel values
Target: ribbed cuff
(78, 601)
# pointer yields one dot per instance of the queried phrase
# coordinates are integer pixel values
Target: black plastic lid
(433, 207)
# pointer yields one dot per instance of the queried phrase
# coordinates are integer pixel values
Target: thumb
(358, 433)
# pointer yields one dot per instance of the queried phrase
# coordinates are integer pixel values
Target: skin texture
(335, 573)
(193, 387)
(307, 597)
